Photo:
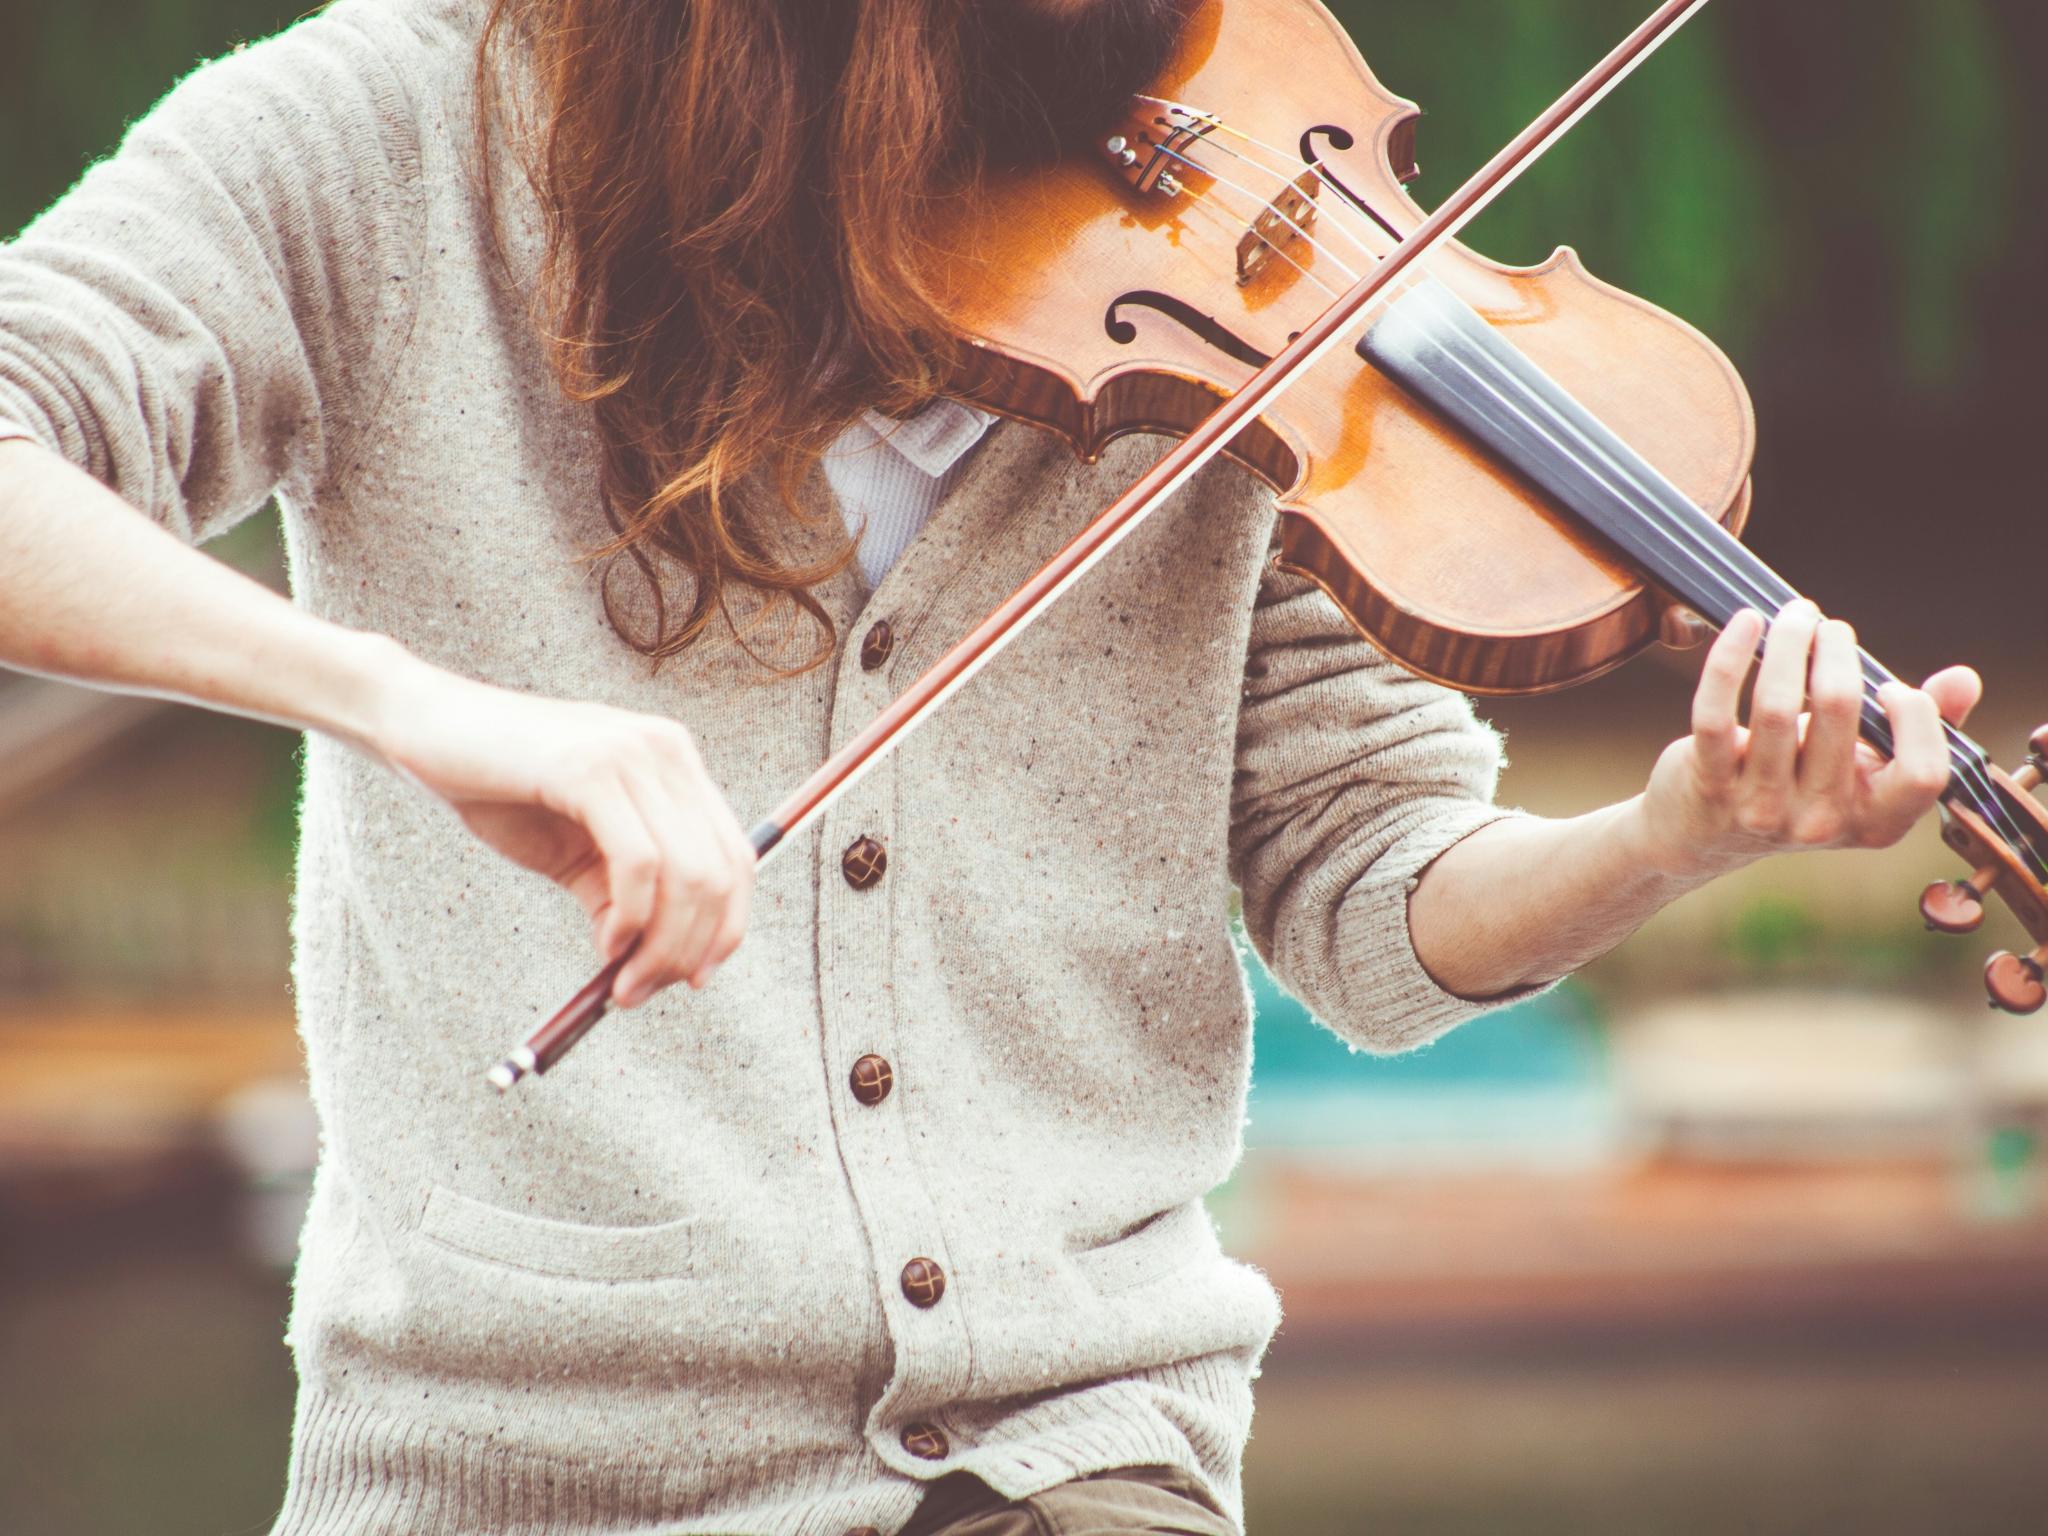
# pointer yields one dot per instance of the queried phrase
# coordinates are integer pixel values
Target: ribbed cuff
(1402, 1005)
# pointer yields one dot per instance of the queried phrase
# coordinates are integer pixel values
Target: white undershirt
(889, 475)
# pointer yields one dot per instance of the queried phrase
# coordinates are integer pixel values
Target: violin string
(1711, 548)
(1766, 588)
(1731, 580)
(1372, 256)
(1315, 163)
(1742, 576)
(1227, 219)
(1347, 200)
(1350, 272)
(1278, 213)
(1222, 125)
(1737, 577)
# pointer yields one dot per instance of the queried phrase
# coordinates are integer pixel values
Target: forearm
(1527, 900)
(616, 807)
(92, 591)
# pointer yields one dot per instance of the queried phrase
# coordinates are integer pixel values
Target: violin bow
(840, 772)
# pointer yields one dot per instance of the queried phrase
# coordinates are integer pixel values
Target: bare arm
(615, 807)
(1521, 902)
(92, 591)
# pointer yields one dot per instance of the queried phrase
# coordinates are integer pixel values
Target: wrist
(1667, 855)
(372, 677)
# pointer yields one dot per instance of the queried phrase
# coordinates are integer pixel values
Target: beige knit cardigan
(660, 1289)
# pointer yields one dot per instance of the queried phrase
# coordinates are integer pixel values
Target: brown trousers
(1129, 1501)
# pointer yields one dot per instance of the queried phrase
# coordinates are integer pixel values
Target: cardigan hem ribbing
(353, 1470)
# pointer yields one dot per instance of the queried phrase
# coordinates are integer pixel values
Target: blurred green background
(1743, 1230)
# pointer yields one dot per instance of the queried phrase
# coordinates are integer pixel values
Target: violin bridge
(1288, 217)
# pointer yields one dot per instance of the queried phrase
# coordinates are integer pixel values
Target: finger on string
(1680, 629)
(1906, 788)
(1716, 730)
(1779, 697)
(1957, 690)
(1827, 759)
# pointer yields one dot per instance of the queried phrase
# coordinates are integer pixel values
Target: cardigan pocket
(566, 1250)
(1156, 1247)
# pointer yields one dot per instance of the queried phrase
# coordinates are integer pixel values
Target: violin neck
(1434, 345)
(1438, 348)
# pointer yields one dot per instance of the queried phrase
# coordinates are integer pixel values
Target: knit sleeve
(1353, 774)
(202, 318)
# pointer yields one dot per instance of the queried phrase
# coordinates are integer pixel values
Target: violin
(1503, 476)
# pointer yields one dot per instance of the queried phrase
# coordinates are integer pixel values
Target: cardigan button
(875, 648)
(864, 1530)
(872, 1079)
(863, 862)
(923, 1283)
(926, 1441)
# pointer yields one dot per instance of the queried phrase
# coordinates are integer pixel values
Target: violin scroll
(2014, 983)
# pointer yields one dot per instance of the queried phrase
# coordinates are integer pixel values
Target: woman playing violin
(585, 348)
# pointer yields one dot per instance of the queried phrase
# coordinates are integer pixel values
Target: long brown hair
(734, 193)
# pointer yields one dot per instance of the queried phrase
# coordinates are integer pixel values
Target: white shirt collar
(934, 438)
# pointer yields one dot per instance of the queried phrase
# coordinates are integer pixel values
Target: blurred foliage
(1772, 932)
(1800, 178)
(1776, 938)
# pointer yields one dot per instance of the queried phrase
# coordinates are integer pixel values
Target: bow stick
(840, 772)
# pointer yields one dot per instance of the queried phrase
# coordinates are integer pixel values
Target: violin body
(1098, 306)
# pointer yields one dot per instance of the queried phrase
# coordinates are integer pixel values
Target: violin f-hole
(1217, 335)
(1340, 138)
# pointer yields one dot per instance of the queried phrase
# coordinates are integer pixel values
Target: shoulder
(381, 60)
(407, 30)
(320, 124)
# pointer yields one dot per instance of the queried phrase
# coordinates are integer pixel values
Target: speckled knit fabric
(663, 1288)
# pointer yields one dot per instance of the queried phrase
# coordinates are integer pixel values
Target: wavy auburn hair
(734, 194)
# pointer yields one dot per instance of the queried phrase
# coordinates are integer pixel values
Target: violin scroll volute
(2015, 983)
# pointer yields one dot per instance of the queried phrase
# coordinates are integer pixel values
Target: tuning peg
(2014, 981)
(1957, 906)
(2035, 768)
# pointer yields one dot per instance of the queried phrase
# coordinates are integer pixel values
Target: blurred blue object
(1527, 1086)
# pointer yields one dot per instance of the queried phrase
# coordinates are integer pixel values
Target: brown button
(863, 862)
(875, 648)
(872, 1080)
(926, 1440)
(923, 1282)
(864, 1530)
